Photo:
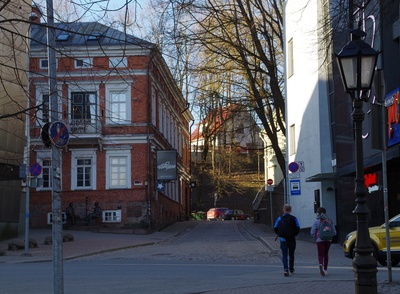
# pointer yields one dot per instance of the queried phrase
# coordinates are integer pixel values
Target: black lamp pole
(364, 263)
(357, 61)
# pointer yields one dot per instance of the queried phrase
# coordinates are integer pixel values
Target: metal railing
(85, 126)
(259, 197)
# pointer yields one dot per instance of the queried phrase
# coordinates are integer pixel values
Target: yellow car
(378, 238)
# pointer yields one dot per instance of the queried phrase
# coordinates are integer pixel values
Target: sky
(93, 10)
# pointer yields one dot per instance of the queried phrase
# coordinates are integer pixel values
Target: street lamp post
(357, 61)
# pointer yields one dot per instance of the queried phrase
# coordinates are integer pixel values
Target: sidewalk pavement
(85, 243)
(307, 254)
(88, 243)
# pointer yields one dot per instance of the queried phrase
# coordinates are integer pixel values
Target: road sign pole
(58, 282)
(270, 189)
(270, 202)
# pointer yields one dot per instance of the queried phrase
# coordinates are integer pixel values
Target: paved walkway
(89, 243)
(306, 254)
(85, 243)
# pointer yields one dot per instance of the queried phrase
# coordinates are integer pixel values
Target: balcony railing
(259, 197)
(85, 126)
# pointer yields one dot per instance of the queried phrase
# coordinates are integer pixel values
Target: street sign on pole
(270, 181)
(58, 272)
(59, 134)
(36, 169)
(293, 166)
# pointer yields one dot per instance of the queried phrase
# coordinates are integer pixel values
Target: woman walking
(323, 231)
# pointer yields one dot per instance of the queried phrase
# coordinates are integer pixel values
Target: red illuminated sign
(371, 179)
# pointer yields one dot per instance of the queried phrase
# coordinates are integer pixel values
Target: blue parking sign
(295, 187)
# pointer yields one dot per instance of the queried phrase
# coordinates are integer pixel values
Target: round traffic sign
(59, 135)
(270, 181)
(294, 166)
(36, 169)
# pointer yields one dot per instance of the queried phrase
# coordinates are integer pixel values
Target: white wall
(307, 109)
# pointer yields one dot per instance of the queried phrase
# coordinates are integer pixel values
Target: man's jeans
(288, 247)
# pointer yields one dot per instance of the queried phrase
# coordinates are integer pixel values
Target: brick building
(121, 106)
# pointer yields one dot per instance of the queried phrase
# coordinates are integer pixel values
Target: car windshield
(394, 222)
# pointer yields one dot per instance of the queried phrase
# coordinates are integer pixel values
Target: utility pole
(58, 285)
(380, 91)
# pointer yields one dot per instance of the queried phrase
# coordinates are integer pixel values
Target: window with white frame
(160, 116)
(45, 177)
(83, 169)
(45, 108)
(46, 173)
(83, 172)
(43, 63)
(118, 104)
(84, 107)
(290, 69)
(111, 216)
(83, 63)
(118, 168)
(118, 62)
(43, 103)
(292, 138)
(118, 108)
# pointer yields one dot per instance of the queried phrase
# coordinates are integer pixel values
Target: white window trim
(78, 154)
(87, 62)
(43, 89)
(112, 216)
(83, 87)
(40, 155)
(46, 67)
(40, 63)
(292, 139)
(117, 88)
(290, 58)
(113, 153)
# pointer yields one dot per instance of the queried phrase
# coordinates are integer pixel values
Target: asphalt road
(208, 257)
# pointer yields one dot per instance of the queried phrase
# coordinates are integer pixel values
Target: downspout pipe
(152, 54)
(285, 172)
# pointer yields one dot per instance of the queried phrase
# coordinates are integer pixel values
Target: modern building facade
(13, 43)
(309, 134)
(320, 127)
(121, 106)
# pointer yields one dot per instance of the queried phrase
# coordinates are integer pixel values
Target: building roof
(85, 34)
(215, 118)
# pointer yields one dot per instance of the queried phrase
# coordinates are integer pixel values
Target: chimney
(36, 14)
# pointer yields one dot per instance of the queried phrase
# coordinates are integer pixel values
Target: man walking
(287, 227)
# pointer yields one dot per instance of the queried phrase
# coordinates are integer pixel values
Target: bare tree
(243, 38)
(233, 48)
